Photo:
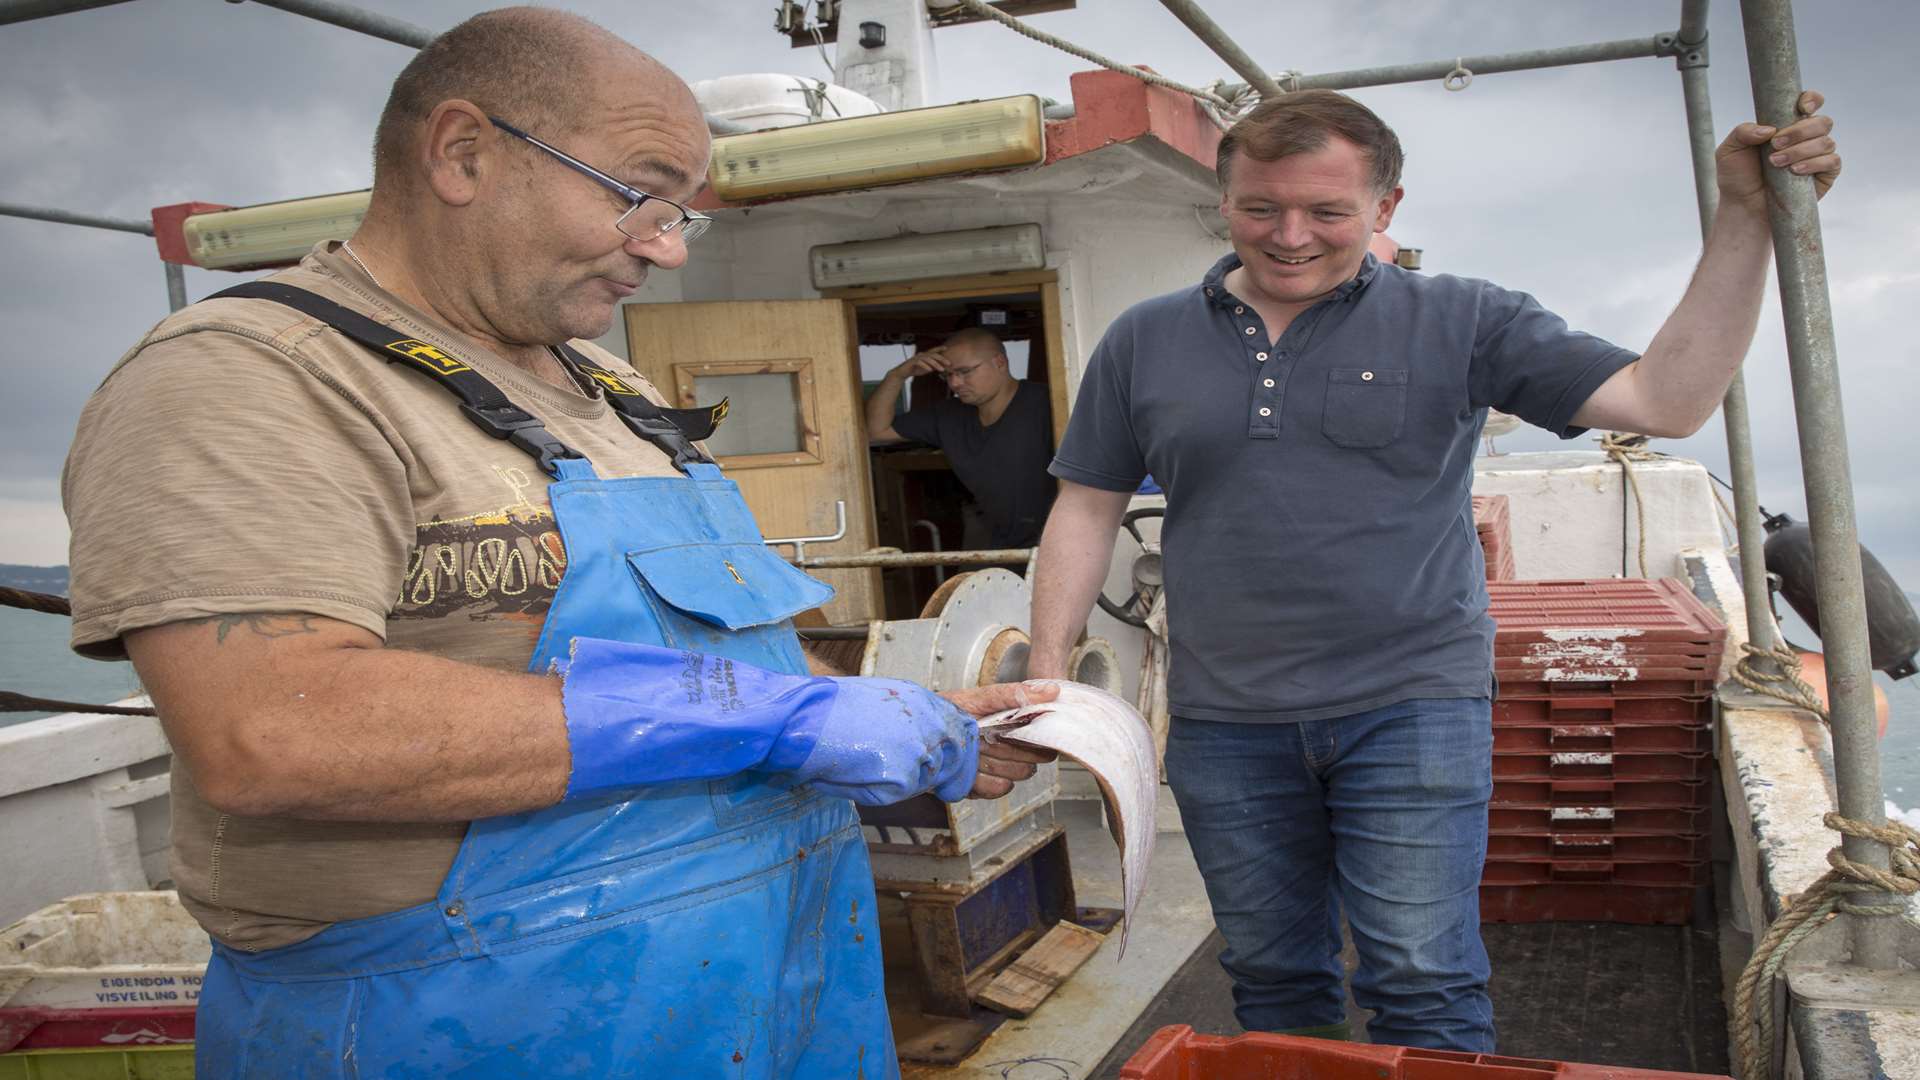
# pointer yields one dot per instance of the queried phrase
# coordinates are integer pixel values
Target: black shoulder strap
(672, 430)
(483, 402)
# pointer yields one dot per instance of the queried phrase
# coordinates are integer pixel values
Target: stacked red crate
(1602, 750)
(1495, 528)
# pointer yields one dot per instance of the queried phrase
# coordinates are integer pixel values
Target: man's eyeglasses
(647, 217)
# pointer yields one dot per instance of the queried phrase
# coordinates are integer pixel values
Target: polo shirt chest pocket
(1366, 407)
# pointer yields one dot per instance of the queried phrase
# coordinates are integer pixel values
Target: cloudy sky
(1573, 184)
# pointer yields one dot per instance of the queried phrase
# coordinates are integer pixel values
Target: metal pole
(1223, 46)
(1733, 409)
(176, 286)
(354, 18)
(1773, 62)
(68, 217)
(885, 559)
(13, 11)
(1624, 49)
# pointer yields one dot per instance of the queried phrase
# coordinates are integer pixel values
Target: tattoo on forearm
(265, 624)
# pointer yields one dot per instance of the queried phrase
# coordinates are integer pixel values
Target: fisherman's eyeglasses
(647, 217)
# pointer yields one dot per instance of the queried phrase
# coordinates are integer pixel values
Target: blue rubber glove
(639, 714)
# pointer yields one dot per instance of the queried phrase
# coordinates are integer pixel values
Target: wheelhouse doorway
(919, 504)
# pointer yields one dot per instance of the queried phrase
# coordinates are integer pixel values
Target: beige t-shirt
(246, 458)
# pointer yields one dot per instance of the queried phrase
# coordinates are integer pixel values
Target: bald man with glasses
(495, 753)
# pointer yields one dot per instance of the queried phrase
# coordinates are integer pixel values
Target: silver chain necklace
(357, 261)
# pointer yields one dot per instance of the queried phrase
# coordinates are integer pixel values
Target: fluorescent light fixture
(886, 148)
(271, 234)
(923, 255)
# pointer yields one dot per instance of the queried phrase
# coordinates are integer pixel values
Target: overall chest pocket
(732, 600)
(1366, 407)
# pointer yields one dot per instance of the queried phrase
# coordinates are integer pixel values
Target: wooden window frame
(800, 369)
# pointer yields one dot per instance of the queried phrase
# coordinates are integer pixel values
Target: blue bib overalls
(705, 928)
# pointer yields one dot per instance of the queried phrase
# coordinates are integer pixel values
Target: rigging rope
(1627, 449)
(985, 10)
(12, 702)
(35, 601)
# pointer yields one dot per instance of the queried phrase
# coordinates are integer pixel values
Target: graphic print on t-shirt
(507, 561)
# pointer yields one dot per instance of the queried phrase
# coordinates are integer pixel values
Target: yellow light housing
(888, 148)
(922, 255)
(271, 234)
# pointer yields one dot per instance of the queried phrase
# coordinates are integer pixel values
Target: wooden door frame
(1044, 282)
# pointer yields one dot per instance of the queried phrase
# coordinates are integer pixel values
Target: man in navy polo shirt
(1312, 414)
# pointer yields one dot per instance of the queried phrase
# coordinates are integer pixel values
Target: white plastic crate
(109, 950)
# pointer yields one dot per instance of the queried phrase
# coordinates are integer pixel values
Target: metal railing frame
(1773, 61)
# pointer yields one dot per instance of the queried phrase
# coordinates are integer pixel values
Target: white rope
(1460, 77)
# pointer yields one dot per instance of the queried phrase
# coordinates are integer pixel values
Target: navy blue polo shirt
(1319, 544)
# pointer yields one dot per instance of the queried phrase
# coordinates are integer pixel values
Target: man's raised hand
(1805, 147)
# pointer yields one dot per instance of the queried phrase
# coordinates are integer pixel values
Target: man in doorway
(1312, 413)
(996, 430)
(494, 749)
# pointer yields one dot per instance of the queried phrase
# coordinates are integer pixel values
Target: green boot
(1340, 1032)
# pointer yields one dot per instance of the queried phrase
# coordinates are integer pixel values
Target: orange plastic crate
(1178, 1053)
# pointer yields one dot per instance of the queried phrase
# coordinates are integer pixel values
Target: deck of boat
(1641, 996)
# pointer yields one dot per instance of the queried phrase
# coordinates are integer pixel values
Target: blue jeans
(1383, 813)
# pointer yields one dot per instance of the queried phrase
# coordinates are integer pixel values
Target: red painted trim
(167, 234)
(1111, 107)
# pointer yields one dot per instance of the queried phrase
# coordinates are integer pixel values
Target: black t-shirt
(1004, 466)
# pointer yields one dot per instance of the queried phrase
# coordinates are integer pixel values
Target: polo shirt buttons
(1366, 376)
(1239, 310)
(1262, 357)
(1266, 382)
(1264, 411)
(1249, 331)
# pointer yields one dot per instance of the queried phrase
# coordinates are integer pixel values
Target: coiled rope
(1753, 994)
(1753, 1005)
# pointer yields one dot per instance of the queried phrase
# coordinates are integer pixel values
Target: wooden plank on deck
(1027, 981)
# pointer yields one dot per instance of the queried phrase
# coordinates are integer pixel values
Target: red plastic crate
(1685, 686)
(1179, 1053)
(1602, 738)
(1587, 847)
(1591, 872)
(1645, 905)
(39, 1028)
(1617, 794)
(1573, 706)
(1493, 525)
(1607, 820)
(1641, 610)
(1590, 766)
